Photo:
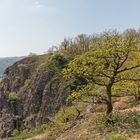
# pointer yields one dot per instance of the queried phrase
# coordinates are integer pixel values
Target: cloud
(37, 4)
(41, 8)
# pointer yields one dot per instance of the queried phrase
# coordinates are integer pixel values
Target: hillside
(88, 88)
(91, 124)
(7, 61)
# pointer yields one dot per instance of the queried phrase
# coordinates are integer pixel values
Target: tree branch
(127, 69)
(106, 75)
(98, 83)
(123, 60)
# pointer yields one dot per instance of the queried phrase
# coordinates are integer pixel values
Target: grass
(125, 123)
(28, 133)
(116, 137)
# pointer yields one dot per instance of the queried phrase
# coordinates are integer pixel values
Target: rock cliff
(31, 92)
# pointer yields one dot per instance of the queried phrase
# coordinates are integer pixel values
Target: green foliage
(18, 135)
(17, 80)
(12, 96)
(15, 132)
(121, 121)
(103, 70)
(100, 64)
(57, 62)
(66, 115)
(116, 137)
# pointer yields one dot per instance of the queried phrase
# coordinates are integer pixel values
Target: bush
(57, 62)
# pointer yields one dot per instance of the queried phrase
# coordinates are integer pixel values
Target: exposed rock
(31, 91)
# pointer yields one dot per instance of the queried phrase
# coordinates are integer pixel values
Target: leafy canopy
(115, 59)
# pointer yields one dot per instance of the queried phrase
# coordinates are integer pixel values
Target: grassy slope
(92, 126)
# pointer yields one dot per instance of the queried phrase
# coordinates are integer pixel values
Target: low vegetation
(20, 135)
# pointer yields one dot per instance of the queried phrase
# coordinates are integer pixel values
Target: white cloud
(47, 10)
(37, 4)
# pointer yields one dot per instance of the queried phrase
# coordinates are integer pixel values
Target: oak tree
(114, 61)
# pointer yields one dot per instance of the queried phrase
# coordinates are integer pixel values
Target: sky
(36, 25)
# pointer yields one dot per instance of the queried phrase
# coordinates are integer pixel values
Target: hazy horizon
(35, 25)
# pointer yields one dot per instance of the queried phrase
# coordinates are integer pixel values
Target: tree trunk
(109, 105)
(109, 100)
(109, 108)
(138, 93)
(138, 98)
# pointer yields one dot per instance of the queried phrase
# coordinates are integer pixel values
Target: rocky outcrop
(31, 92)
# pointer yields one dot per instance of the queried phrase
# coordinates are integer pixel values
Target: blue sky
(35, 25)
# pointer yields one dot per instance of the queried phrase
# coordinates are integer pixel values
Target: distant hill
(6, 61)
